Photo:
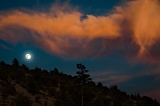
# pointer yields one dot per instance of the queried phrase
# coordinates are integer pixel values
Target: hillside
(20, 86)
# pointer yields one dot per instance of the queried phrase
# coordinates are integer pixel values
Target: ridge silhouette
(20, 86)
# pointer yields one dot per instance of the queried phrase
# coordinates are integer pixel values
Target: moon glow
(28, 56)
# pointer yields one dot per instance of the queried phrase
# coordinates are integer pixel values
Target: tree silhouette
(15, 62)
(24, 67)
(99, 84)
(84, 77)
(82, 74)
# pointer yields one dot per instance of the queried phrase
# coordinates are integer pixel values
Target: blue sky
(106, 36)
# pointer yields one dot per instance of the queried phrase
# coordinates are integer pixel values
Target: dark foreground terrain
(20, 86)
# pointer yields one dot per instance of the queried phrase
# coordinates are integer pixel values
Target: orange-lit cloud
(63, 24)
(67, 32)
(56, 31)
(143, 20)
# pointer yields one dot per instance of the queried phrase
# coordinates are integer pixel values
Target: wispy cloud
(4, 47)
(152, 72)
(154, 94)
(110, 77)
(112, 80)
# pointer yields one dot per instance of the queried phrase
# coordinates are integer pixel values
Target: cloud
(132, 28)
(111, 77)
(154, 94)
(60, 31)
(4, 47)
(142, 17)
(155, 72)
(112, 80)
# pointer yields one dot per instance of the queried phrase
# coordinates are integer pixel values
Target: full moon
(28, 56)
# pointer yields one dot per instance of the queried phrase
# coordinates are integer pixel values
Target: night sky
(117, 40)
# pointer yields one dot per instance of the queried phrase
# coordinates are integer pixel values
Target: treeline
(20, 86)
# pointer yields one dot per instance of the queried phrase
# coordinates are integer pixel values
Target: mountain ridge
(21, 86)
